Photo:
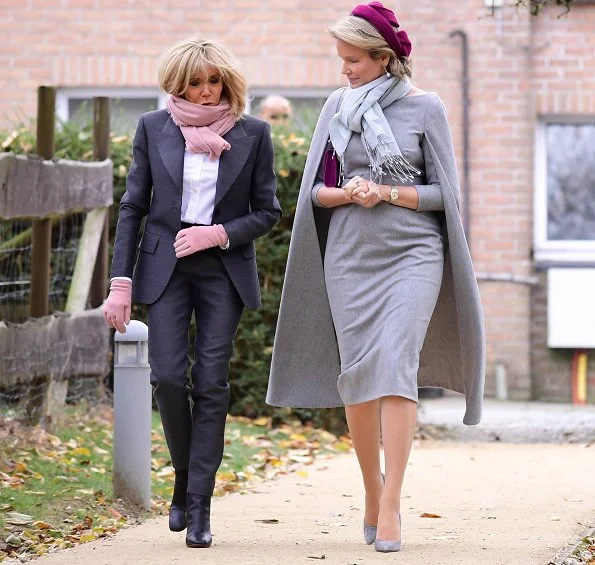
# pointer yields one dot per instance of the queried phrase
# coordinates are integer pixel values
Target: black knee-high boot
(198, 514)
(177, 510)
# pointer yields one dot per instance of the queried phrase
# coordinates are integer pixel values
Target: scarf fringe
(400, 169)
(395, 166)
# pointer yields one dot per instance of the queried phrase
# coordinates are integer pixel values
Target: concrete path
(501, 504)
(517, 422)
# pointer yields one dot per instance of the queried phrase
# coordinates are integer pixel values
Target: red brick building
(531, 96)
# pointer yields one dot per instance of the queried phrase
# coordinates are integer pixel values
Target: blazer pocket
(149, 242)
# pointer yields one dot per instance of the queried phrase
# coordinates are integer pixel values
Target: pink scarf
(201, 126)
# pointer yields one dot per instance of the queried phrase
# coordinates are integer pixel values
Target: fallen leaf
(262, 421)
(430, 515)
(84, 525)
(40, 525)
(316, 557)
(14, 540)
(114, 513)
(268, 521)
(17, 519)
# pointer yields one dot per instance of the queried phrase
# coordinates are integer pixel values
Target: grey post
(132, 416)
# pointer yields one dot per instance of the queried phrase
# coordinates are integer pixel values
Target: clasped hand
(361, 191)
(197, 238)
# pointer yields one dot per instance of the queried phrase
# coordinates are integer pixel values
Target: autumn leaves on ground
(55, 489)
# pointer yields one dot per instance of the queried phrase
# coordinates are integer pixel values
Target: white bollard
(132, 416)
(501, 382)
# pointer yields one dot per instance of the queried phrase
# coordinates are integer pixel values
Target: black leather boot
(198, 514)
(177, 510)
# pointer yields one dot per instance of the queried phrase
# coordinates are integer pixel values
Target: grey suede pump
(388, 546)
(370, 531)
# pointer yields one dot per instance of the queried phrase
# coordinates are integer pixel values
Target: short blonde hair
(192, 56)
(361, 33)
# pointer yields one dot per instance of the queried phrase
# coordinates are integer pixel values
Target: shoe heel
(369, 534)
(370, 531)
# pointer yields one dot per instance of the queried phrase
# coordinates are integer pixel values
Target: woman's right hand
(356, 185)
(116, 309)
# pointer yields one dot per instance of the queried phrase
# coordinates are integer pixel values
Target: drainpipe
(466, 103)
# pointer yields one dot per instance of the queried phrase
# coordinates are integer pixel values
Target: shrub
(254, 340)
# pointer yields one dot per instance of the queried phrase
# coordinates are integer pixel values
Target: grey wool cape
(305, 364)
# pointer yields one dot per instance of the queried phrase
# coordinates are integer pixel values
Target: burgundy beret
(385, 21)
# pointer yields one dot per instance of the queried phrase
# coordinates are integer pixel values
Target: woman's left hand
(368, 198)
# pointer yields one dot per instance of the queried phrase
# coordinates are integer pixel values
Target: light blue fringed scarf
(361, 111)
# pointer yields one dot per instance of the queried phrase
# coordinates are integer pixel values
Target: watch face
(394, 193)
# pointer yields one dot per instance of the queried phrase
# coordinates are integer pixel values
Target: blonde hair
(188, 58)
(361, 33)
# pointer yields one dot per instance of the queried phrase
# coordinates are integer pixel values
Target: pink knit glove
(197, 238)
(116, 309)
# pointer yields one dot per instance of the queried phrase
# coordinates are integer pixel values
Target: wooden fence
(52, 348)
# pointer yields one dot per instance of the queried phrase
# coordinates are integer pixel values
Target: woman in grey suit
(382, 259)
(202, 178)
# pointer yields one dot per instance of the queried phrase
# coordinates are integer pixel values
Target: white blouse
(198, 188)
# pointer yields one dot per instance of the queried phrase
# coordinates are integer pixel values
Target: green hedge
(254, 340)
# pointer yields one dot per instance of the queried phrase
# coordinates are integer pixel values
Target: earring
(386, 71)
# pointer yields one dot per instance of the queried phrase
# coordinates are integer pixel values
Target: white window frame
(264, 91)
(560, 252)
(63, 96)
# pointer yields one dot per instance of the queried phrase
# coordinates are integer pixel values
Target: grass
(56, 490)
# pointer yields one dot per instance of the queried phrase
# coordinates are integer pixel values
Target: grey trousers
(193, 410)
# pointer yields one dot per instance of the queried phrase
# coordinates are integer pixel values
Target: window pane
(124, 112)
(571, 181)
(305, 109)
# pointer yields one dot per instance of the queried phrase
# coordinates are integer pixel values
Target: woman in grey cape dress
(379, 267)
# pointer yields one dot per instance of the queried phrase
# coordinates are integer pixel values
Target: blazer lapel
(232, 161)
(171, 148)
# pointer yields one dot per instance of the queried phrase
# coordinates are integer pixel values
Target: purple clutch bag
(331, 167)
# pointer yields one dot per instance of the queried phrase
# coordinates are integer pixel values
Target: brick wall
(519, 67)
(563, 82)
(117, 43)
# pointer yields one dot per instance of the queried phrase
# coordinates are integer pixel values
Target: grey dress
(383, 268)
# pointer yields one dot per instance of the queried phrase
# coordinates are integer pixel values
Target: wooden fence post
(42, 229)
(101, 151)
(41, 244)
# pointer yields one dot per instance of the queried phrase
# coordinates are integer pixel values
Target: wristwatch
(394, 193)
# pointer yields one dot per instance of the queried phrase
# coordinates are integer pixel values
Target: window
(565, 191)
(306, 103)
(126, 105)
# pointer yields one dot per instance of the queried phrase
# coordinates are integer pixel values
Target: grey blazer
(245, 204)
